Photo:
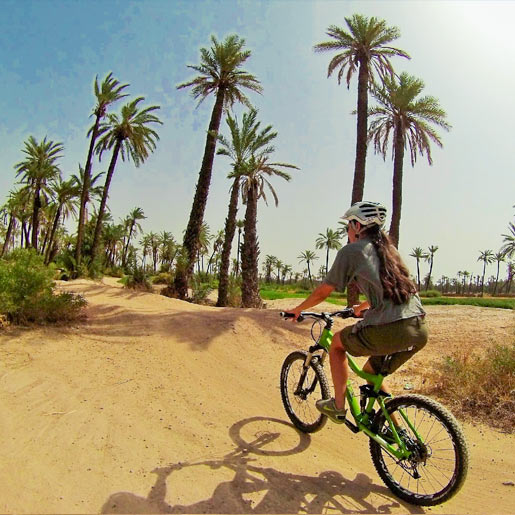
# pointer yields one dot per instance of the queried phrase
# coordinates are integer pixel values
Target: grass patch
(480, 387)
(484, 302)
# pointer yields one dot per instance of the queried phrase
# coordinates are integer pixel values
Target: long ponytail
(394, 274)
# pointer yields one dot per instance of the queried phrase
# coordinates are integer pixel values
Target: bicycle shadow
(258, 489)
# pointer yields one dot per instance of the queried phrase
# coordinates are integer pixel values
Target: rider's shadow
(255, 489)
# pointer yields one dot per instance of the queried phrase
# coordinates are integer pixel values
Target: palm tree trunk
(309, 275)
(358, 184)
(418, 273)
(238, 253)
(10, 229)
(230, 229)
(249, 256)
(327, 261)
(483, 279)
(35, 216)
(85, 191)
(124, 259)
(397, 185)
(52, 234)
(103, 202)
(429, 274)
(191, 237)
(497, 277)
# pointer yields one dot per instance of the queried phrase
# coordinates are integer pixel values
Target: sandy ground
(153, 405)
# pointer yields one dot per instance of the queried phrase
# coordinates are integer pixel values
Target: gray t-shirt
(359, 262)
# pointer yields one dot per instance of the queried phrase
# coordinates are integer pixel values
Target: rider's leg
(339, 370)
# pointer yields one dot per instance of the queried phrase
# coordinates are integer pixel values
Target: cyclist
(393, 318)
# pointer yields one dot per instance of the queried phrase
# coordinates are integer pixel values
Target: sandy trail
(154, 405)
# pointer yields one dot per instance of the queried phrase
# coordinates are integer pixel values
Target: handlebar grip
(286, 315)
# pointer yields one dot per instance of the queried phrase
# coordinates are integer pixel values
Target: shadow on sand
(270, 490)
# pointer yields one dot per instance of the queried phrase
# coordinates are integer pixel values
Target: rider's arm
(360, 307)
(319, 294)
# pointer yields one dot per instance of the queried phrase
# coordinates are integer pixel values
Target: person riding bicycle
(393, 319)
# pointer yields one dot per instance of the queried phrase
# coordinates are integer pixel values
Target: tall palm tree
(220, 73)
(106, 94)
(66, 194)
(268, 265)
(430, 258)
(365, 49)
(331, 241)
(508, 248)
(418, 254)
(308, 256)
(279, 266)
(129, 136)
(408, 120)
(487, 257)
(37, 170)
(245, 141)
(218, 242)
(258, 170)
(498, 257)
(133, 226)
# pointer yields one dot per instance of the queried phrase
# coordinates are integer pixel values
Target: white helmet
(366, 213)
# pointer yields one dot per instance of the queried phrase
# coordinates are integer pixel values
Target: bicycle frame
(363, 418)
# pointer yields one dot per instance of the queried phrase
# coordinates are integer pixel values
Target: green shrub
(163, 278)
(430, 293)
(26, 291)
(137, 279)
(200, 290)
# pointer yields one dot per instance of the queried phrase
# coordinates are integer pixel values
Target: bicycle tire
(438, 428)
(300, 407)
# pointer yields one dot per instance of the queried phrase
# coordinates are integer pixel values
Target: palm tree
(331, 241)
(500, 256)
(279, 266)
(430, 258)
(37, 170)
(134, 226)
(220, 73)
(14, 208)
(258, 169)
(286, 269)
(466, 275)
(364, 49)
(168, 249)
(130, 136)
(244, 141)
(308, 257)
(487, 257)
(268, 265)
(407, 119)
(66, 193)
(107, 93)
(93, 192)
(418, 254)
(217, 245)
(508, 248)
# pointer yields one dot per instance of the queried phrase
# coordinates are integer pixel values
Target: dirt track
(159, 406)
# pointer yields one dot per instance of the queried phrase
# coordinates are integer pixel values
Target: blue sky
(51, 51)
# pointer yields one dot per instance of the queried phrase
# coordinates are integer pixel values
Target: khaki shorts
(402, 339)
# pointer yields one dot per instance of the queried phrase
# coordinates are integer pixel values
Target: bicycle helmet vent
(366, 213)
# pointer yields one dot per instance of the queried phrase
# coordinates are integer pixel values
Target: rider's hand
(359, 309)
(295, 312)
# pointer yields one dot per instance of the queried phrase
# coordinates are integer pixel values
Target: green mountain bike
(417, 446)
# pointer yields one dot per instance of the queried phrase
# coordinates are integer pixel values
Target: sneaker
(328, 407)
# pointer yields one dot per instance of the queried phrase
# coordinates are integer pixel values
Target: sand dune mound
(154, 405)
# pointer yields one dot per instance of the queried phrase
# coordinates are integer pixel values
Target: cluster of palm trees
(38, 208)
(402, 117)
(466, 282)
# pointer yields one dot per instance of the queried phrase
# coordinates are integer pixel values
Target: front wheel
(300, 389)
(438, 464)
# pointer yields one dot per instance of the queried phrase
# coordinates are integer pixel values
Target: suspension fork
(305, 367)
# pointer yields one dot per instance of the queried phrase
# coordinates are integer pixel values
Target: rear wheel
(438, 465)
(300, 389)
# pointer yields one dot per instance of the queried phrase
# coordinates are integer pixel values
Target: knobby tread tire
(323, 388)
(458, 439)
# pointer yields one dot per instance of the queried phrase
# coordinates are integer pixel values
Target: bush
(163, 278)
(26, 291)
(137, 279)
(480, 387)
(430, 293)
(200, 290)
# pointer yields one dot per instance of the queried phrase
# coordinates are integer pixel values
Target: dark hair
(394, 274)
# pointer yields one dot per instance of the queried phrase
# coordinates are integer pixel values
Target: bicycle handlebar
(344, 313)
